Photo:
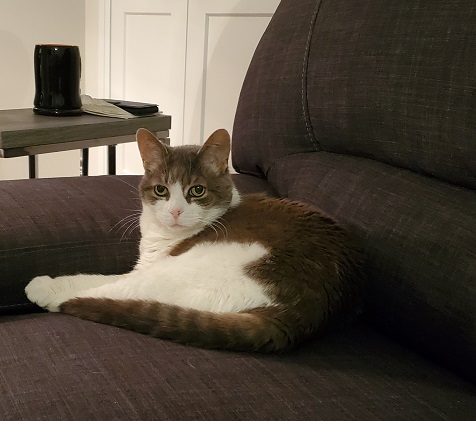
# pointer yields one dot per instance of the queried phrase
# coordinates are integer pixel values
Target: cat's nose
(176, 212)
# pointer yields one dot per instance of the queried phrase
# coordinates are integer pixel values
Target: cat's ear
(152, 150)
(215, 151)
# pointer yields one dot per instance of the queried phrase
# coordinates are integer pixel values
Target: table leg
(33, 166)
(111, 159)
(84, 166)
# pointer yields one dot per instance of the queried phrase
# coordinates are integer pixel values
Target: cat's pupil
(160, 190)
(197, 191)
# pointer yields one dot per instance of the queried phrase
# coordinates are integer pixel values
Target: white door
(148, 41)
(222, 37)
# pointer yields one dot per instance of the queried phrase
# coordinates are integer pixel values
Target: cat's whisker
(216, 232)
(131, 227)
(136, 188)
(211, 225)
(121, 223)
(221, 226)
(216, 226)
(128, 224)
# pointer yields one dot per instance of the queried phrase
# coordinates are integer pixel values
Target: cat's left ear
(216, 150)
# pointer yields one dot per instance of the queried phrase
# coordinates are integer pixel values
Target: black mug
(57, 75)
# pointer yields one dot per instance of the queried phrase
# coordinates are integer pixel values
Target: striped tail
(267, 329)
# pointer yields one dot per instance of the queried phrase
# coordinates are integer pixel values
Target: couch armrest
(63, 226)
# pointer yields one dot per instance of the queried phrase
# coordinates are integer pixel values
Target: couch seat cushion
(56, 367)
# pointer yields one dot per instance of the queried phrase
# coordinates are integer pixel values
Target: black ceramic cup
(57, 75)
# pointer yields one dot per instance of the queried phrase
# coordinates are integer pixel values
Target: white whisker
(133, 225)
(221, 226)
(128, 224)
(121, 223)
(136, 188)
(216, 232)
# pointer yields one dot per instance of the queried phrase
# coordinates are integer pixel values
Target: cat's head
(185, 188)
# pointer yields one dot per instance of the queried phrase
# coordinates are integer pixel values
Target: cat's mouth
(177, 225)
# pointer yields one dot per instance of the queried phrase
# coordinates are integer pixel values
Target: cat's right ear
(152, 150)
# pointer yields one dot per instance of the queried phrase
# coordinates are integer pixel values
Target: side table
(23, 133)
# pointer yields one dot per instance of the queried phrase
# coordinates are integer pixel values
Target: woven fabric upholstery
(393, 81)
(58, 368)
(396, 81)
(64, 226)
(270, 119)
(364, 109)
(419, 237)
(367, 110)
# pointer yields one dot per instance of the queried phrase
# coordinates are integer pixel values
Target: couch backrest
(393, 81)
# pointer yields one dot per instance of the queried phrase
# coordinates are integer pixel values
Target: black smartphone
(136, 108)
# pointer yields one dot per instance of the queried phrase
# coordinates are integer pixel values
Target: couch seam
(304, 101)
(304, 98)
(7, 306)
(68, 246)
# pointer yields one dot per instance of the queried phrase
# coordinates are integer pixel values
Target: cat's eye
(160, 190)
(197, 191)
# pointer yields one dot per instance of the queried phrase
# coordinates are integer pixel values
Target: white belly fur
(208, 277)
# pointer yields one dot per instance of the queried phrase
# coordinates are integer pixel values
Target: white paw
(46, 292)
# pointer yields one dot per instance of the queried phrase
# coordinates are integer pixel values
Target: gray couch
(365, 109)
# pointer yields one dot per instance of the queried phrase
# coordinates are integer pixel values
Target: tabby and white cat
(216, 269)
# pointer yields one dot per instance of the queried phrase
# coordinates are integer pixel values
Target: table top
(22, 129)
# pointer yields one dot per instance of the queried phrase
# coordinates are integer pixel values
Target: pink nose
(176, 212)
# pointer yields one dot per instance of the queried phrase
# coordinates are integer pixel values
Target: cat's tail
(267, 329)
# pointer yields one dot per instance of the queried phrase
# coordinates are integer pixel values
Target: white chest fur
(210, 276)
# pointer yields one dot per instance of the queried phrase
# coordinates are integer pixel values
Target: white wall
(24, 23)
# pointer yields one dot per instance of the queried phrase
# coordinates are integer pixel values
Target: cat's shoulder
(264, 213)
(265, 205)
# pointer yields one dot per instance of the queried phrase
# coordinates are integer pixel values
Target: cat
(217, 269)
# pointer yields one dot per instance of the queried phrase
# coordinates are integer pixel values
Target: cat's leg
(49, 292)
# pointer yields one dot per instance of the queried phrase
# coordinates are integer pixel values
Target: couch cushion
(56, 367)
(396, 81)
(250, 184)
(419, 236)
(64, 226)
(391, 80)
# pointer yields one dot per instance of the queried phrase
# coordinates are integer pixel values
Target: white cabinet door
(189, 56)
(222, 37)
(148, 42)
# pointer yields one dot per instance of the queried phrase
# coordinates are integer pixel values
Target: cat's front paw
(44, 291)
